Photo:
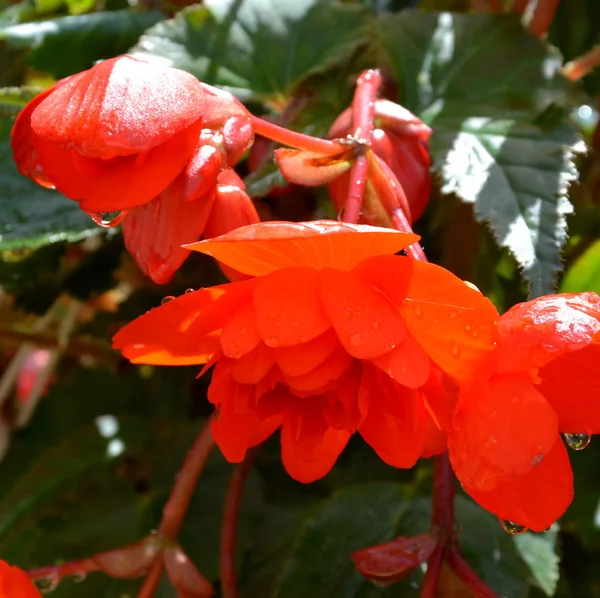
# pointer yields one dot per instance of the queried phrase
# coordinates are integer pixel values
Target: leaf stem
(363, 114)
(579, 67)
(467, 575)
(293, 138)
(231, 512)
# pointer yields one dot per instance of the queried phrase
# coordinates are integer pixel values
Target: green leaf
(486, 87)
(584, 274)
(258, 48)
(89, 38)
(539, 552)
(31, 216)
(264, 179)
(319, 563)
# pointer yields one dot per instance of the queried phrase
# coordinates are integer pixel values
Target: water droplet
(341, 213)
(79, 577)
(515, 399)
(272, 342)
(46, 584)
(108, 219)
(188, 291)
(455, 350)
(243, 330)
(514, 529)
(355, 340)
(234, 351)
(577, 441)
(167, 299)
(295, 324)
(418, 311)
(380, 583)
(304, 339)
(468, 328)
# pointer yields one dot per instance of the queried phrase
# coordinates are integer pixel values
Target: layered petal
(538, 331)
(155, 232)
(162, 335)
(309, 446)
(499, 432)
(262, 248)
(571, 386)
(535, 500)
(300, 359)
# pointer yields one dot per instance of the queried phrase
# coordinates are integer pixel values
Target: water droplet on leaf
(514, 529)
(79, 577)
(108, 219)
(46, 584)
(577, 441)
(167, 299)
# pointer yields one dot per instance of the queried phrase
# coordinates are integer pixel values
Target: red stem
(519, 6)
(443, 496)
(467, 575)
(432, 575)
(185, 483)
(542, 17)
(231, 512)
(152, 579)
(293, 138)
(57, 572)
(401, 223)
(581, 66)
(363, 114)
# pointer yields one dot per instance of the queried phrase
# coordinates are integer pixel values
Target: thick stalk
(580, 67)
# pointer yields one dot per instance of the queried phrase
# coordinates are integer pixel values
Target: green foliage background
(509, 138)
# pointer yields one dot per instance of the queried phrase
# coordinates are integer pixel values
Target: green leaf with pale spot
(539, 552)
(486, 87)
(258, 49)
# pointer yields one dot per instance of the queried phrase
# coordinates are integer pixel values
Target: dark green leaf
(258, 48)
(264, 179)
(539, 552)
(482, 83)
(319, 563)
(89, 38)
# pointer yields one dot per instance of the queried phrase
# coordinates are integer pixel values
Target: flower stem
(519, 6)
(401, 223)
(580, 67)
(443, 495)
(432, 575)
(363, 114)
(187, 478)
(293, 138)
(231, 512)
(467, 575)
(152, 579)
(542, 17)
(57, 572)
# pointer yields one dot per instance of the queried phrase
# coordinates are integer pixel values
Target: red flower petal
(253, 367)
(298, 360)
(162, 337)
(262, 248)
(501, 432)
(14, 583)
(308, 168)
(120, 183)
(407, 364)
(155, 232)
(240, 334)
(535, 500)
(453, 323)
(333, 368)
(571, 386)
(394, 425)
(288, 305)
(367, 323)
(119, 107)
(535, 332)
(309, 447)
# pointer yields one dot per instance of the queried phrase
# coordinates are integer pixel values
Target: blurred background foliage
(90, 445)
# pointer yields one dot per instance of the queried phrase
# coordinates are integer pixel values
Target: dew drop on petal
(455, 350)
(167, 299)
(188, 291)
(272, 342)
(577, 441)
(108, 219)
(514, 529)
(341, 213)
(79, 577)
(418, 311)
(46, 584)
(356, 340)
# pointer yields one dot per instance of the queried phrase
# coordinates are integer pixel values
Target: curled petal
(289, 309)
(155, 232)
(297, 360)
(262, 248)
(308, 168)
(119, 107)
(332, 369)
(571, 386)
(501, 432)
(238, 135)
(220, 105)
(367, 323)
(200, 174)
(535, 500)
(161, 336)
(309, 447)
(535, 332)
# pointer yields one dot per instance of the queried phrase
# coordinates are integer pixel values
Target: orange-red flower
(330, 335)
(504, 445)
(14, 583)
(138, 139)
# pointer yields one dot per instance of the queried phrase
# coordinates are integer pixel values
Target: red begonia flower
(14, 583)
(331, 334)
(505, 445)
(143, 141)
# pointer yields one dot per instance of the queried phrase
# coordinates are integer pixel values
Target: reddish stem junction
(150, 554)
